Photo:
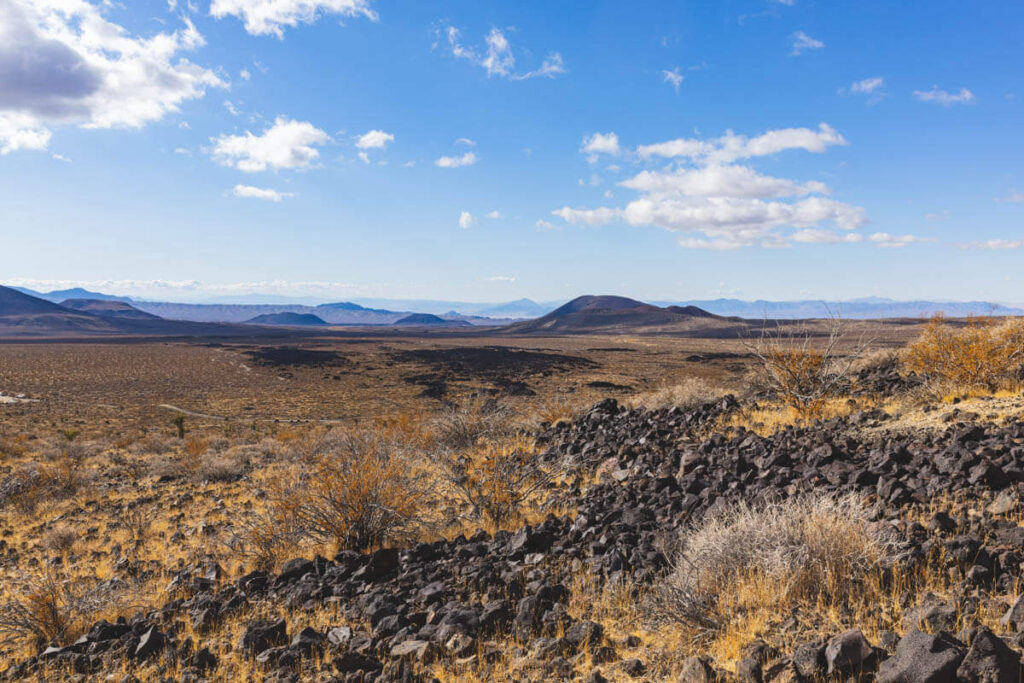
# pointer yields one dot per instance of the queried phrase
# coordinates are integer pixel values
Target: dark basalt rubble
(449, 599)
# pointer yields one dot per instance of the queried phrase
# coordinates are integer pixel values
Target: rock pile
(450, 599)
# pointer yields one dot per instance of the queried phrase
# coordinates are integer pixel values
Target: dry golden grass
(691, 393)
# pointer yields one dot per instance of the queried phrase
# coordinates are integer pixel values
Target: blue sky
(490, 150)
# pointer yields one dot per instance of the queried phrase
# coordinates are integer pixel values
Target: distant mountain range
(378, 311)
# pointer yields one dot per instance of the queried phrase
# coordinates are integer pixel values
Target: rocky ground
(502, 606)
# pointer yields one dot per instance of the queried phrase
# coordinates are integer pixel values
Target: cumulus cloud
(946, 99)
(466, 220)
(286, 144)
(374, 139)
(600, 143)
(250, 192)
(63, 63)
(674, 77)
(887, 241)
(497, 57)
(467, 159)
(720, 181)
(720, 204)
(266, 17)
(803, 42)
(494, 215)
(731, 147)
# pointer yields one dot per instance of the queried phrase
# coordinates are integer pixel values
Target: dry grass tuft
(776, 558)
(692, 392)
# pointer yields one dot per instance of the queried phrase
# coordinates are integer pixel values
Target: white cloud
(494, 215)
(264, 17)
(374, 139)
(286, 144)
(244, 74)
(731, 146)
(818, 236)
(720, 181)
(589, 217)
(722, 205)
(887, 241)
(996, 244)
(944, 98)
(802, 42)
(1012, 196)
(600, 143)
(674, 77)
(248, 191)
(500, 278)
(467, 159)
(364, 157)
(465, 141)
(498, 59)
(546, 225)
(867, 86)
(63, 63)
(231, 108)
(466, 220)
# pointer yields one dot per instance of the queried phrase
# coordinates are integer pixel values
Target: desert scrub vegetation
(49, 606)
(361, 490)
(497, 479)
(800, 369)
(776, 557)
(693, 392)
(982, 354)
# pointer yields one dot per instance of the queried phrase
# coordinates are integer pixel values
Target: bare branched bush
(136, 521)
(266, 540)
(464, 425)
(49, 608)
(363, 492)
(60, 539)
(803, 369)
(983, 354)
(777, 557)
(692, 392)
(497, 479)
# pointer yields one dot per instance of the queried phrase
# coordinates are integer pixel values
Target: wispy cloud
(946, 99)
(673, 76)
(803, 42)
(497, 57)
(271, 17)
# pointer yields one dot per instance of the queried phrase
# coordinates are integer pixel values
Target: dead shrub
(220, 468)
(60, 539)
(266, 539)
(49, 608)
(135, 520)
(192, 453)
(776, 558)
(693, 392)
(362, 493)
(801, 371)
(983, 354)
(25, 488)
(463, 426)
(497, 478)
(152, 444)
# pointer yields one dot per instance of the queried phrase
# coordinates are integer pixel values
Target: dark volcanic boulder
(989, 660)
(922, 658)
(263, 635)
